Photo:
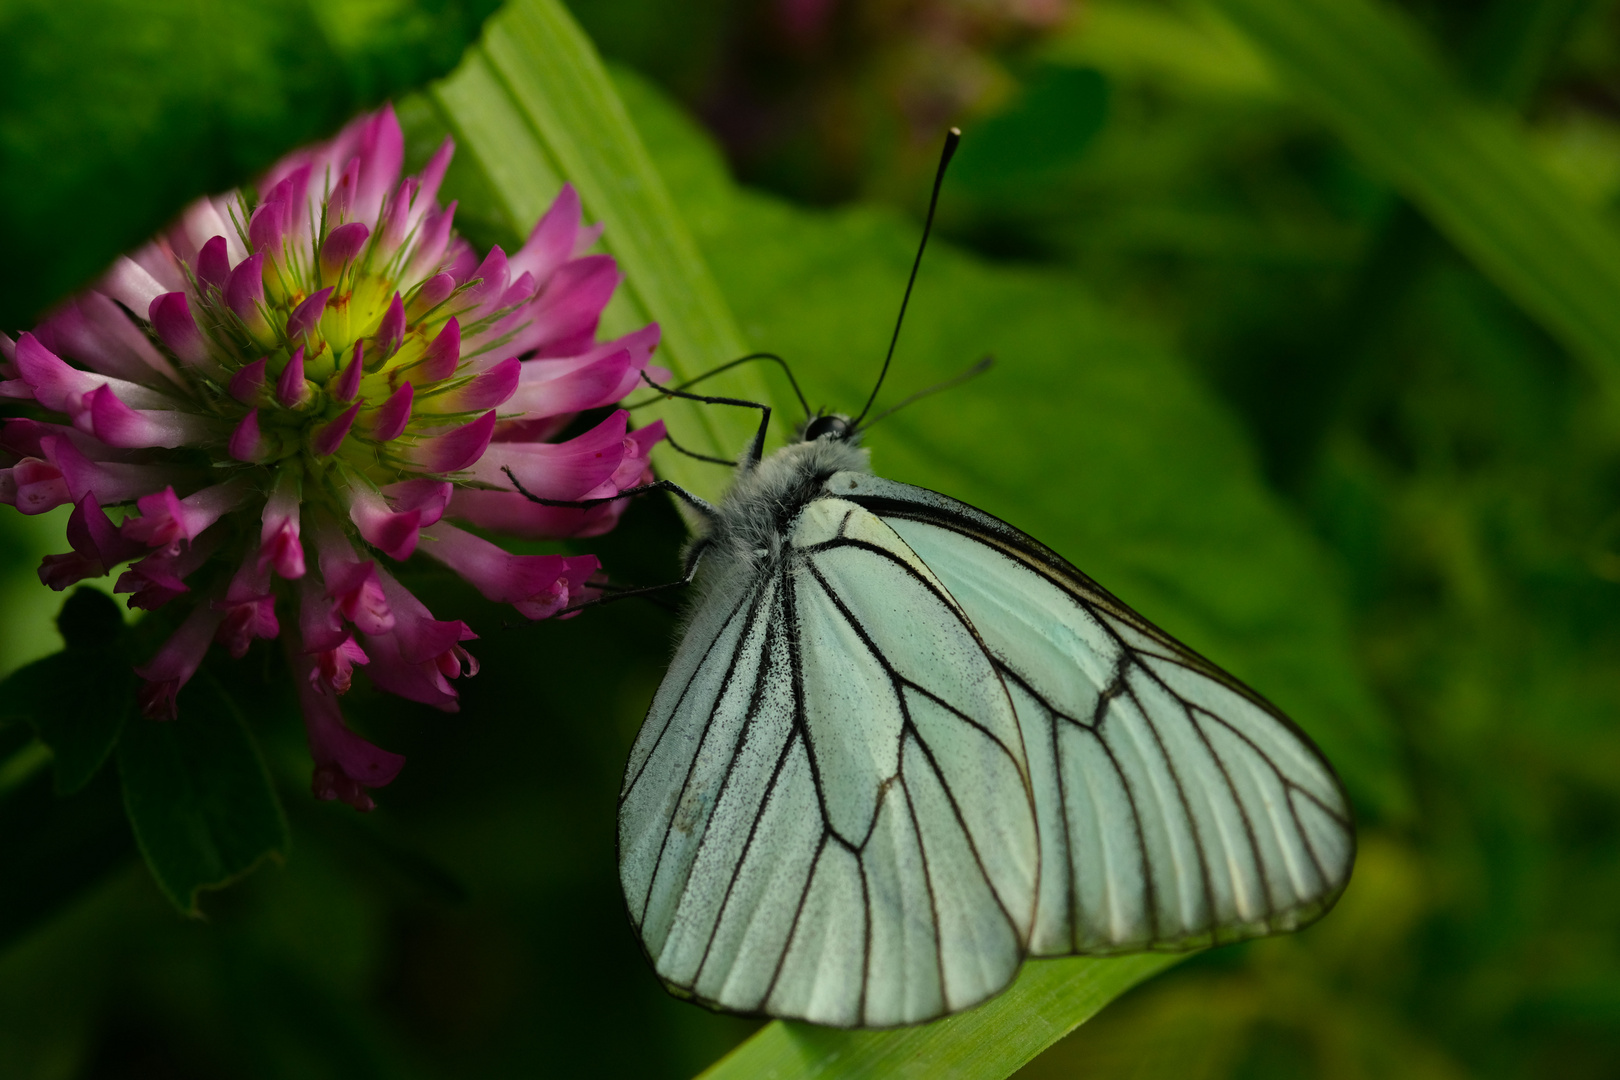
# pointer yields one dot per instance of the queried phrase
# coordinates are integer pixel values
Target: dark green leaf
(1050, 999)
(531, 107)
(113, 113)
(1369, 72)
(198, 795)
(52, 848)
(1043, 131)
(77, 701)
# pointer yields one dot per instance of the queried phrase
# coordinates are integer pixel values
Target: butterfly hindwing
(827, 815)
(1176, 807)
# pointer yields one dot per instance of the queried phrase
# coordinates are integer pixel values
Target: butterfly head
(828, 426)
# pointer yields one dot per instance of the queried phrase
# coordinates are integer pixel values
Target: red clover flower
(274, 391)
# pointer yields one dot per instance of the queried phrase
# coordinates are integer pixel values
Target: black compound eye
(836, 426)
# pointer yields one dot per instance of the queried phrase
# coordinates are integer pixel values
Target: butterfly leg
(700, 505)
(756, 449)
(694, 557)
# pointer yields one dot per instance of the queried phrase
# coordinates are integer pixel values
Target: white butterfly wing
(1176, 807)
(827, 814)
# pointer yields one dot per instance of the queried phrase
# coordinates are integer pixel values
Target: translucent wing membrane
(1176, 808)
(828, 813)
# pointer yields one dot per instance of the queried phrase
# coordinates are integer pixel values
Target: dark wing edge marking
(1105, 608)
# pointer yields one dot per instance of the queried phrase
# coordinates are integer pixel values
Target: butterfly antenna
(977, 369)
(727, 367)
(952, 137)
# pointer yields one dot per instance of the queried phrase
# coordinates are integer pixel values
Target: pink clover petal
(557, 387)
(170, 315)
(431, 176)
(57, 572)
(98, 333)
(93, 534)
(291, 390)
(244, 620)
(456, 449)
(464, 262)
(247, 443)
(486, 390)
(328, 438)
(381, 150)
(34, 486)
(131, 284)
(109, 481)
(247, 385)
(489, 281)
(249, 608)
(432, 241)
(342, 244)
(98, 546)
(335, 667)
(214, 263)
(345, 764)
(431, 293)
(396, 216)
(539, 586)
(244, 293)
(426, 498)
(510, 513)
(391, 331)
(394, 533)
(307, 314)
(563, 320)
(357, 596)
(389, 421)
(551, 242)
(633, 470)
(166, 520)
(319, 626)
(440, 359)
(279, 545)
(116, 424)
(61, 387)
(342, 197)
(424, 681)
(175, 663)
(421, 638)
(564, 470)
(267, 228)
(352, 584)
(348, 383)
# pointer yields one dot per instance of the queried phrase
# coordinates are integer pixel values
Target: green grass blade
(1370, 73)
(1050, 999)
(532, 106)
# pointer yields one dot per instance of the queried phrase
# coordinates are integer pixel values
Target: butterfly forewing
(827, 815)
(1176, 808)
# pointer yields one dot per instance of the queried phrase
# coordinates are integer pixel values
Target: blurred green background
(1308, 321)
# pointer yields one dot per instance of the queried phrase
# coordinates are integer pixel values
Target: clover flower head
(283, 387)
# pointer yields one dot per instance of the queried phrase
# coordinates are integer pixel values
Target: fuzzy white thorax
(751, 523)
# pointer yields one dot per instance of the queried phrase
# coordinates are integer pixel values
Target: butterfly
(903, 746)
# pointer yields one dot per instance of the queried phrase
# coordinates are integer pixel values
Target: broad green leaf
(78, 699)
(1370, 74)
(78, 704)
(53, 847)
(113, 113)
(531, 106)
(198, 796)
(1049, 999)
